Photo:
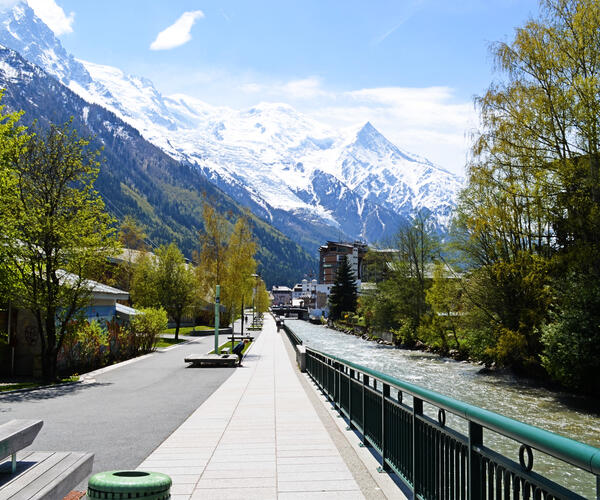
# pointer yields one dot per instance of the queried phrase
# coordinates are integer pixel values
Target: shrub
(85, 347)
(146, 327)
(405, 334)
(479, 343)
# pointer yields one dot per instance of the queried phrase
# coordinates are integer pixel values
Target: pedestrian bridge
(287, 311)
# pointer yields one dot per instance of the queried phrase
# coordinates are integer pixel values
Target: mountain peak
(22, 31)
(368, 128)
(370, 138)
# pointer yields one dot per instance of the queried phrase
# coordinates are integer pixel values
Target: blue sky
(411, 67)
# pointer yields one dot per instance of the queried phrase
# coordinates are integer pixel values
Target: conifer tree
(343, 296)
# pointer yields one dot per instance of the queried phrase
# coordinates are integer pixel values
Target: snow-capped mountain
(285, 166)
(137, 178)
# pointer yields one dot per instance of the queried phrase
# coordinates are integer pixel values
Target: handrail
(436, 461)
(580, 454)
(585, 456)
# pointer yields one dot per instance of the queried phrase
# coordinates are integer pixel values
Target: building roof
(346, 244)
(98, 290)
(126, 310)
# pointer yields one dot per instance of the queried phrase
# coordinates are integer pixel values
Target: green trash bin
(127, 484)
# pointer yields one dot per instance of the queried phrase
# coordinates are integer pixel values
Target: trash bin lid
(148, 485)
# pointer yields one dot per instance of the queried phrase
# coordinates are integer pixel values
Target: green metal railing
(293, 338)
(435, 461)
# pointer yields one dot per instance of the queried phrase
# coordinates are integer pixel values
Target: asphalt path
(123, 414)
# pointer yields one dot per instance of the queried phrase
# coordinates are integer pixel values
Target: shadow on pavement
(46, 393)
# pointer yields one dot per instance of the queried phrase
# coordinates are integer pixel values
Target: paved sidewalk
(257, 437)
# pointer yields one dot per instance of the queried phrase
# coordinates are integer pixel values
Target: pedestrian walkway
(257, 437)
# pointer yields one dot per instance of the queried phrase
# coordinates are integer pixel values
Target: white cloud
(53, 15)
(303, 89)
(178, 33)
(307, 88)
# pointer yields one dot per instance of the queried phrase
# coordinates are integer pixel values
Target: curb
(42, 387)
(88, 378)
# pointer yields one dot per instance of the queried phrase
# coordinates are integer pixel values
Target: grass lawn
(227, 345)
(167, 342)
(184, 330)
(32, 384)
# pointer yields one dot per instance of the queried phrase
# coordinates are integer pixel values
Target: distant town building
(305, 293)
(282, 295)
(333, 252)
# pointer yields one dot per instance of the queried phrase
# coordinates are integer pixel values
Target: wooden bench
(211, 360)
(37, 475)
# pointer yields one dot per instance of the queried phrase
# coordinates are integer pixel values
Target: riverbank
(539, 379)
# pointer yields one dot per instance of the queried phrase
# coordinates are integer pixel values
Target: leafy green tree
(571, 347)
(240, 268)
(144, 289)
(63, 234)
(532, 207)
(132, 237)
(506, 293)
(444, 299)
(211, 258)
(398, 302)
(12, 137)
(417, 246)
(175, 282)
(226, 258)
(262, 300)
(343, 296)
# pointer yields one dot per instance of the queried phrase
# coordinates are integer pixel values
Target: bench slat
(43, 462)
(62, 484)
(52, 477)
(17, 434)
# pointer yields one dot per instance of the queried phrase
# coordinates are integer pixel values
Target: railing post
(385, 393)
(327, 362)
(338, 368)
(350, 384)
(364, 413)
(416, 442)
(475, 439)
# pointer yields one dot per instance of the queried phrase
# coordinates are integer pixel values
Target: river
(562, 413)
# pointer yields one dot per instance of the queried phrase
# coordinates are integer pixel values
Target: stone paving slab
(257, 436)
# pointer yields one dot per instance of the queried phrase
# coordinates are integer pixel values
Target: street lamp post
(255, 276)
(217, 311)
